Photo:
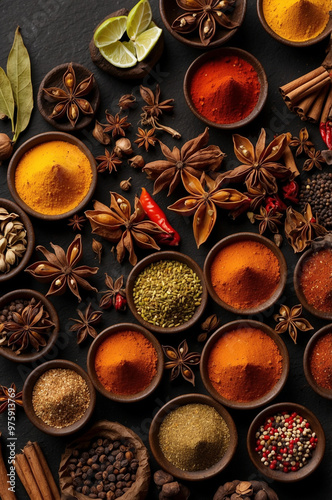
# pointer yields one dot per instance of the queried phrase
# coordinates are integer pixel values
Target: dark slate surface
(59, 31)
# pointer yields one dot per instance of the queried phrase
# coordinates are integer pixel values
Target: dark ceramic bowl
(251, 237)
(168, 466)
(166, 255)
(31, 357)
(54, 79)
(40, 139)
(28, 391)
(272, 33)
(169, 11)
(317, 455)
(267, 398)
(92, 355)
(325, 393)
(10, 206)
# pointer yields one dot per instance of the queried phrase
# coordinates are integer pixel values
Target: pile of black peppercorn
(6, 313)
(317, 190)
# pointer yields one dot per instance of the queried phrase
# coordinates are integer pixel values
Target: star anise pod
(9, 395)
(208, 326)
(61, 268)
(115, 288)
(84, 325)
(315, 159)
(205, 15)
(116, 124)
(120, 225)
(257, 196)
(193, 158)
(300, 229)
(181, 361)
(108, 161)
(301, 142)
(146, 138)
(202, 204)
(154, 109)
(260, 167)
(77, 222)
(29, 327)
(289, 319)
(268, 220)
(69, 98)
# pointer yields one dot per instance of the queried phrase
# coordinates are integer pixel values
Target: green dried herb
(7, 104)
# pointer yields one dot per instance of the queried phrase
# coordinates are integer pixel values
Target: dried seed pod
(161, 477)
(127, 101)
(125, 185)
(171, 489)
(97, 248)
(261, 495)
(278, 239)
(6, 147)
(136, 161)
(99, 134)
(123, 147)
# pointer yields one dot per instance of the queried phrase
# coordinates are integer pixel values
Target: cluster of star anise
(304, 145)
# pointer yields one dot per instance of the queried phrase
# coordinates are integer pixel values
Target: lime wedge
(145, 42)
(139, 19)
(117, 54)
(110, 31)
(130, 46)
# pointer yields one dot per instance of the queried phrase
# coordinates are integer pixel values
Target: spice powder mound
(60, 397)
(194, 437)
(320, 362)
(316, 280)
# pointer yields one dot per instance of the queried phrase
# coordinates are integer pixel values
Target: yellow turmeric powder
(52, 178)
(297, 20)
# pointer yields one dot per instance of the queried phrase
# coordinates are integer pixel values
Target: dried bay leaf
(7, 105)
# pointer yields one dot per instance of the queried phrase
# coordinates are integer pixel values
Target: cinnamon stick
(25, 474)
(289, 158)
(302, 107)
(46, 469)
(315, 111)
(327, 107)
(5, 494)
(289, 87)
(312, 86)
(30, 452)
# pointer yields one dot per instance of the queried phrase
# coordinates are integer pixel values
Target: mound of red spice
(316, 280)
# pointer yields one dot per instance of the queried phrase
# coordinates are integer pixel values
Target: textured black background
(59, 31)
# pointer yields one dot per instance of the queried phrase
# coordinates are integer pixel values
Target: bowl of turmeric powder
(52, 176)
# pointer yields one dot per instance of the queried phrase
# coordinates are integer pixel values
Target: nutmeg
(6, 147)
(161, 477)
(123, 147)
(136, 161)
(125, 185)
(261, 495)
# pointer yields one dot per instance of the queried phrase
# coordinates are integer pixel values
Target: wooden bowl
(166, 255)
(27, 398)
(39, 139)
(168, 466)
(137, 72)
(272, 33)
(132, 398)
(234, 238)
(31, 357)
(216, 54)
(13, 207)
(267, 398)
(317, 455)
(54, 79)
(169, 11)
(325, 393)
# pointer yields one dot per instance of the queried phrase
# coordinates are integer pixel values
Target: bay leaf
(7, 106)
(19, 74)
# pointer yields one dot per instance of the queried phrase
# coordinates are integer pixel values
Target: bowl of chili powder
(317, 362)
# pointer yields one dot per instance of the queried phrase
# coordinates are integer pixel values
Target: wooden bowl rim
(325, 393)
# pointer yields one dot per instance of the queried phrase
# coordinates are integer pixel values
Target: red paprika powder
(321, 362)
(316, 280)
(225, 90)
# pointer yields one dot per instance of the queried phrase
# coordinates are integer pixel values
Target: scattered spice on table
(225, 90)
(60, 397)
(115, 295)
(320, 361)
(315, 159)
(13, 240)
(136, 161)
(316, 280)
(268, 220)
(316, 190)
(208, 326)
(181, 361)
(285, 442)
(77, 222)
(167, 293)
(301, 228)
(169, 487)
(84, 325)
(10, 398)
(116, 125)
(245, 274)
(258, 490)
(126, 362)
(154, 109)
(53, 177)
(290, 319)
(194, 437)
(123, 147)
(97, 249)
(146, 138)
(302, 142)
(108, 162)
(244, 364)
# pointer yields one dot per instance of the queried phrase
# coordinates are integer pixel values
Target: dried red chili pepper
(329, 134)
(155, 213)
(322, 129)
(275, 203)
(291, 190)
(120, 302)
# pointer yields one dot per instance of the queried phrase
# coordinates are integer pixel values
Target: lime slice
(130, 46)
(145, 42)
(139, 19)
(110, 31)
(117, 54)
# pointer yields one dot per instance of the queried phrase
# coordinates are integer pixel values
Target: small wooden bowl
(169, 11)
(166, 255)
(325, 393)
(28, 390)
(54, 79)
(233, 239)
(267, 398)
(299, 292)
(92, 356)
(40, 139)
(214, 55)
(13, 207)
(317, 455)
(272, 33)
(31, 357)
(137, 72)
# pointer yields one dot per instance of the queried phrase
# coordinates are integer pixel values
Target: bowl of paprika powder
(317, 362)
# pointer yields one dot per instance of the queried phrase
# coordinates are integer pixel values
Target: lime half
(110, 31)
(117, 54)
(139, 19)
(145, 42)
